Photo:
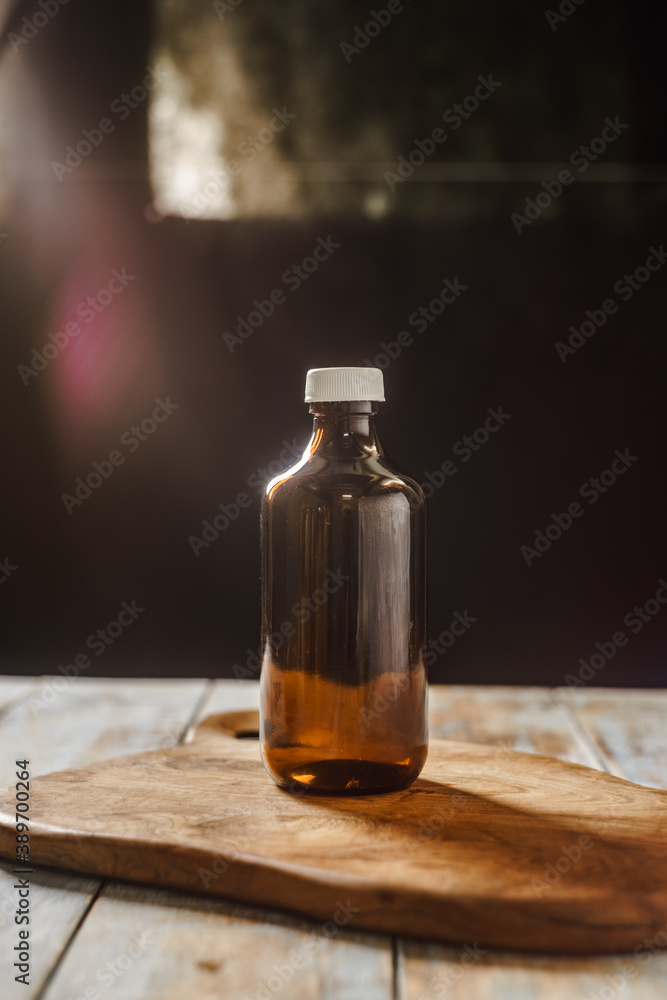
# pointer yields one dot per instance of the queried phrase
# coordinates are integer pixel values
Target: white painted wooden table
(112, 941)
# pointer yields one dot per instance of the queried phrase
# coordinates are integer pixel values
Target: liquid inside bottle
(343, 688)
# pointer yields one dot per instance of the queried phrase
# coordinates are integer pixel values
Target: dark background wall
(493, 347)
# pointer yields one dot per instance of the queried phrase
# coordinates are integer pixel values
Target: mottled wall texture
(484, 185)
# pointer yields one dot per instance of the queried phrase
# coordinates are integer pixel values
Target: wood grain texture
(548, 722)
(517, 718)
(197, 954)
(476, 849)
(629, 728)
(89, 720)
(431, 973)
(525, 718)
(230, 696)
(12, 688)
(174, 946)
(57, 903)
(61, 722)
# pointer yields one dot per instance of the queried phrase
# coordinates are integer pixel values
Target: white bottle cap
(338, 385)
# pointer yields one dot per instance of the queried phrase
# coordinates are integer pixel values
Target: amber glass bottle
(343, 687)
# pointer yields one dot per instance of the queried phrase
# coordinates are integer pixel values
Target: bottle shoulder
(319, 478)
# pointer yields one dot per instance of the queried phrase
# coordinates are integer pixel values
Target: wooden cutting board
(489, 845)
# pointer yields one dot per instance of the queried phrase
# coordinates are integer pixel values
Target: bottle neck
(344, 429)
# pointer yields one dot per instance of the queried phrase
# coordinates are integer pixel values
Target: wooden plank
(458, 853)
(12, 688)
(57, 903)
(495, 975)
(524, 718)
(517, 718)
(66, 723)
(628, 727)
(186, 946)
(230, 696)
(91, 719)
(459, 974)
(210, 949)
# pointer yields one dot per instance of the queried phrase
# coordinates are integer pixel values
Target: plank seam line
(68, 944)
(397, 992)
(565, 702)
(192, 719)
(196, 713)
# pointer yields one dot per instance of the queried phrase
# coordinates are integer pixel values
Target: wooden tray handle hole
(239, 725)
